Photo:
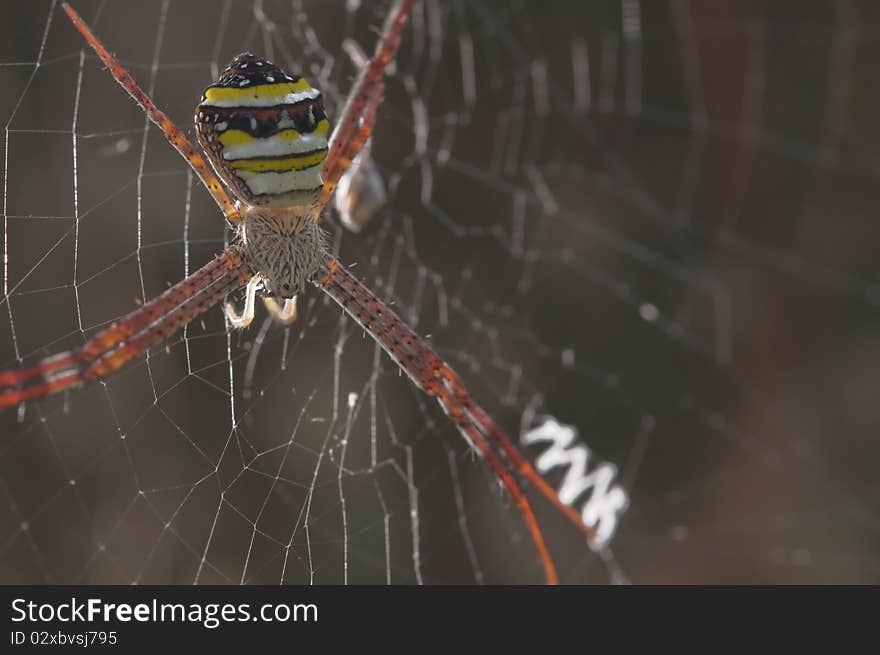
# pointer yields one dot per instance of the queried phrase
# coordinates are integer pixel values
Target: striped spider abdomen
(265, 133)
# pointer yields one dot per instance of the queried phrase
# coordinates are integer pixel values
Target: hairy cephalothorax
(283, 250)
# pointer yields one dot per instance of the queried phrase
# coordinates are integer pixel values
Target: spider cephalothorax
(283, 250)
(265, 133)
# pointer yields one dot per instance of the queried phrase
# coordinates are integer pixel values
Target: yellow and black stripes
(265, 94)
(279, 164)
(265, 132)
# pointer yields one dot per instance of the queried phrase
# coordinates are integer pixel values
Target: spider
(265, 134)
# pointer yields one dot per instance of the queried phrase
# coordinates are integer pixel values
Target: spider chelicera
(264, 132)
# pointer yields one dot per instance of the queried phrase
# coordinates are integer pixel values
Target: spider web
(650, 221)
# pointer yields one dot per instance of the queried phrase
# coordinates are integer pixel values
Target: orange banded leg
(336, 169)
(433, 372)
(413, 349)
(355, 124)
(175, 137)
(471, 433)
(113, 347)
(419, 362)
(490, 428)
(444, 374)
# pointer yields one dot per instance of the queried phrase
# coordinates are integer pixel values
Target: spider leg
(415, 350)
(360, 191)
(174, 135)
(358, 116)
(333, 173)
(284, 313)
(471, 433)
(428, 372)
(453, 383)
(240, 321)
(111, 348)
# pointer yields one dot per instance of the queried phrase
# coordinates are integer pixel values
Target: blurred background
(653, 221)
